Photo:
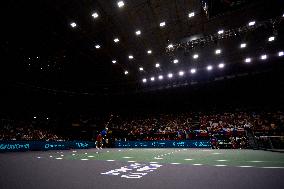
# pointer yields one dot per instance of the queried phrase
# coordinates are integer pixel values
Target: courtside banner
(15, 146)
(164, 144)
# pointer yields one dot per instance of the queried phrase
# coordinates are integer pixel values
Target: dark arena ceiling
(95, 46)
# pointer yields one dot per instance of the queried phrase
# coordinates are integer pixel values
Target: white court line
(272, 167)
(158, 158)
(58, 158)
(175, 163)
(245, 166)
(127, 157)
(131, 161)
(84, 159)
(90, 156)
(153, 162)
(220, 165)
(110, 160)
(197, 164)
(188, 159)
(221, 160)
(256, 161)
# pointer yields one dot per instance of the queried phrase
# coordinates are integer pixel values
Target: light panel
(157, 65)
(73, 24)
(176, 61)
(120, 4)
(271, 38)
(181, 73)
(116, 40)
(209, 67)
(263, 57)
(144, 80)
(251, 23)
(191, 14)
(221, 65)
(130, 57)
(218, 51)
(95, 15)
(243, 45)
(161, 77)
(162, 24)
(125, 72)
(113, 61)
(193, 70)
(247, 60)
(220, 32)
(170, 46)
(195, 56)
(138, 32)
(170, 75)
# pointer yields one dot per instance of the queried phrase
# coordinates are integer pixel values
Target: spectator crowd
(227, 128)
(27, 132)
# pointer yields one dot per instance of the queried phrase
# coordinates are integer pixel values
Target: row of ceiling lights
(182, 73)
(195, 56)
(208, 68)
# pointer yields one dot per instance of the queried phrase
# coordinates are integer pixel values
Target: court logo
(133, 171)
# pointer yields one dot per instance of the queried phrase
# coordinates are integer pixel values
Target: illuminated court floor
(142, 168)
